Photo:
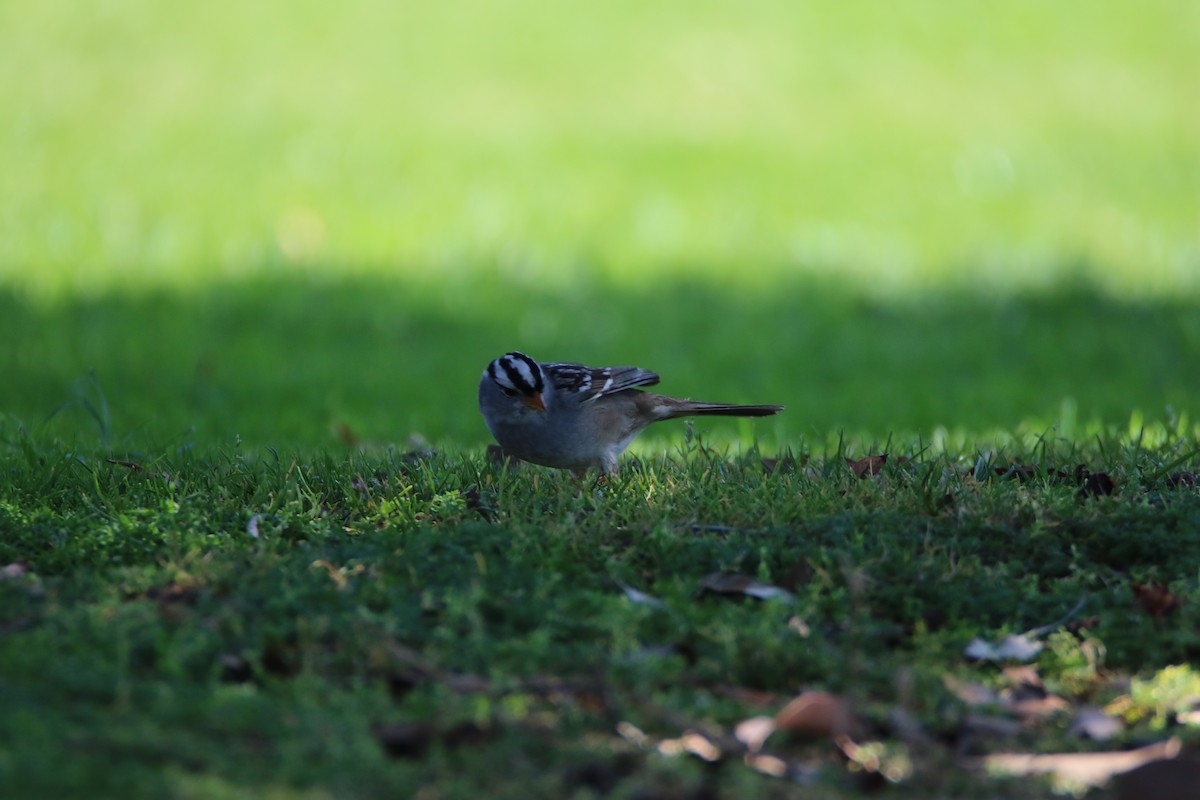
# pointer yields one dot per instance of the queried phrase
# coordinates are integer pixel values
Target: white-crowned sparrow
(574, 417)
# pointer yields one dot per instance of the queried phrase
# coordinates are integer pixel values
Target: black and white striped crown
(517, 374)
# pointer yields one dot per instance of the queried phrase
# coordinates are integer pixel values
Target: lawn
(254, 257)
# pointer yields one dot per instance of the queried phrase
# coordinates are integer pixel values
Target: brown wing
(596, 382)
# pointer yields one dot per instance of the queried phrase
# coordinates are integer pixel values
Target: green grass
(257, 249)
(241, 625)
(898, 147)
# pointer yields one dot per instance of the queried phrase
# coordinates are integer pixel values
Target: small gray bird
(574, 417)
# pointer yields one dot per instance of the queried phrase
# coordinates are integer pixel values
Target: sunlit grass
(897, 149)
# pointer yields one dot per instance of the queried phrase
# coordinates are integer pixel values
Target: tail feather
(688, 408)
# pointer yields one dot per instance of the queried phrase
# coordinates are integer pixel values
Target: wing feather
(596, 382)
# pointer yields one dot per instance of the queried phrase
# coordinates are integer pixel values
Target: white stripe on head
(517, 372)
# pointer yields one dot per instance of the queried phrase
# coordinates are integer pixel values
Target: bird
(575, 417)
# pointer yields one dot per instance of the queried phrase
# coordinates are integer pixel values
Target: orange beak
(534, 401)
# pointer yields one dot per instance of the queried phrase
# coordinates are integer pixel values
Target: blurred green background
(276, 220)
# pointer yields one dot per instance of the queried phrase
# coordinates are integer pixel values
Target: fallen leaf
(641, 598)
(801, 627)
(633, 734)
(768, 765)
(1027, 697)
(817, 714)
(973, 694)
(1094, 724)
(133, 465)
(754, 731)
(1155, 598)
(868, 465)
(735, 584)
(1086, 769)
(1018, 647)
(875, 762)
(1023, 675)
(1097, 484)
(1029, 707)
(692, 742)
(770, 465)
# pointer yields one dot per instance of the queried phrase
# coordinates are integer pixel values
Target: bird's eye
(508, 392)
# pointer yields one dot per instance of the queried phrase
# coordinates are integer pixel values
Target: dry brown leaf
(1028, 697)
(14, 570)
(1023, 675)
(754, 731)
(692, 742)
(772, 465)
(1029, 707)
(973, 694)
(1094, 724)
(817, 714)
(735, 584)
(768, 765)
(1155, 598)
(1097, 484)
(1086, 769)
(868, 465)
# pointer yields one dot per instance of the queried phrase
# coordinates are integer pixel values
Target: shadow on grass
(286, 361)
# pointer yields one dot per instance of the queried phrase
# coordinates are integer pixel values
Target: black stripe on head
(521, 372)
